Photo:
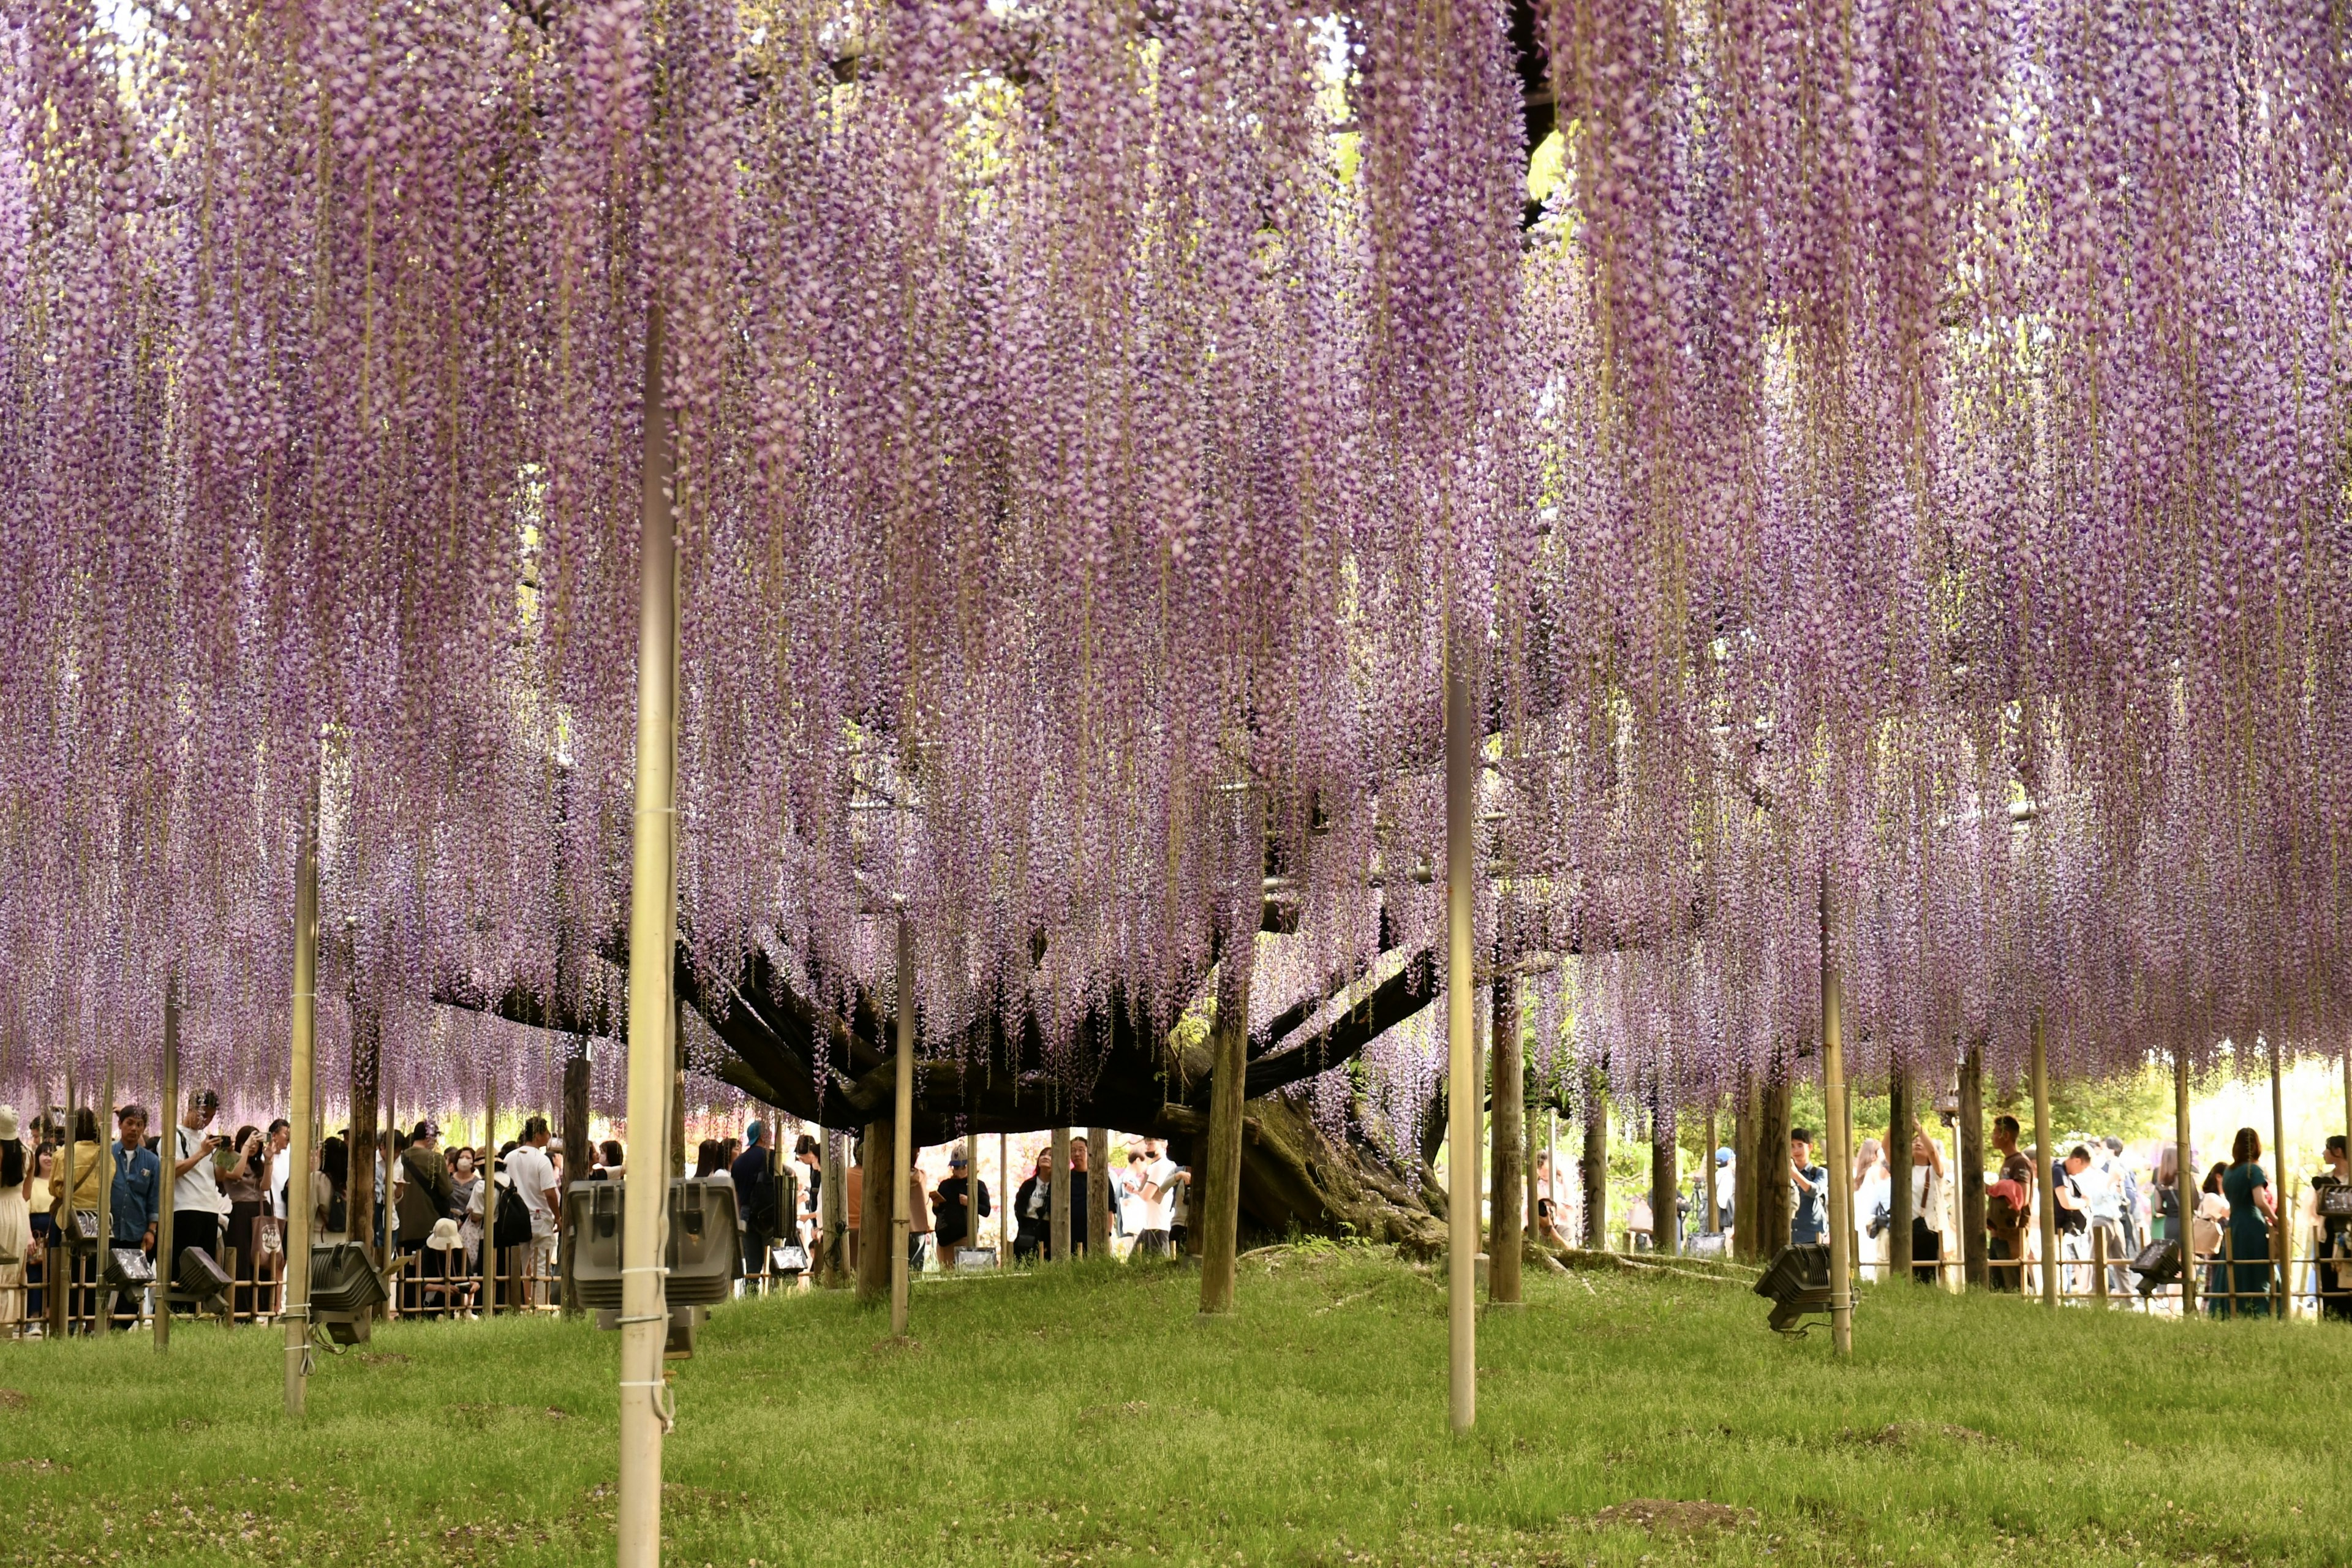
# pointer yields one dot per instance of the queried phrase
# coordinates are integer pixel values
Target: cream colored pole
(102, 1316)
(295, 1299)
(2184, 1183)
(166, 1258)
(902, 1131)
(645, 1413)
(1463, 1100)
(2046, 1177)
(489, 1174)
(2283, 1232)
(1840, 1202)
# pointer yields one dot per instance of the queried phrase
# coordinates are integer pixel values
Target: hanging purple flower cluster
(1904, 454)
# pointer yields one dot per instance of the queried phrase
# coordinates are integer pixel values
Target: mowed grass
(1090, 1417)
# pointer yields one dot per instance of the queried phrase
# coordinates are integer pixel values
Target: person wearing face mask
(1033, 1212)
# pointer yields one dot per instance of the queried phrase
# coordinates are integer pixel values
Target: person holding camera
(198, 1206)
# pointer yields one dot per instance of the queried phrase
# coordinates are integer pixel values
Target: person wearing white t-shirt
(198, 1206)
(1151, 1201)
(532, 1175)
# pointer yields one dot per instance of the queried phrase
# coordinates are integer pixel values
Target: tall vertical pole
(1006, 1187)
(1899, 1120)
(295, 1302)
(1975, 1257)
(971, 1185)
(61, 1251)
(1594, 1167)
(1841, 1156)
(2045, 1168)
(1101, 1178)
(1511, 1181)
(1463, 1100)
(105, 1298)
(1215, 1200)
(489, 1173)
(2184, 1181)
(1057, 1201)
(902, 1131)
(653, 946)
(2283, 1232)
(1712, 1212)
(167, 1257)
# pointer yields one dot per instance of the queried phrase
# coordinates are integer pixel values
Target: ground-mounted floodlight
(200, 1280)
(1797, 1286)
(126, 1269)
(704, 1258)
(345, 1290)
(2158, 1265)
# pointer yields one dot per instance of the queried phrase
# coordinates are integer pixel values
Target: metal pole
(295, 1303)
(2046, 1175)
(902, 1131)
(1462, 726)
(2184, 1184)
(167, 1257)
(646, 1413)
(1841, 1156)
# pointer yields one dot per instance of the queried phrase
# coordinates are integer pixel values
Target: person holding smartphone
(198, 1207)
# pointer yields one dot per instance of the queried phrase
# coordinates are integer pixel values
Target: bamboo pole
(902, 1131)
(104, 1302)
(167, 1257)
(2184, 1184)
(60, 1303)
(1511, 1181)
(1006, 1187)
(491, 1195)
(1899, 1119)
(295, 1296)
(1711, 1215)
(2281, 1233)
(1463, 725)
(1841, 1157)
(645, 1413)
(2045, 1168)
(1057, 1200)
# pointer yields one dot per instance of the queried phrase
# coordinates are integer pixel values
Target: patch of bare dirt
(1666, 1516)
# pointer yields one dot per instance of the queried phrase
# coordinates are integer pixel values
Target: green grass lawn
(1089, 1416)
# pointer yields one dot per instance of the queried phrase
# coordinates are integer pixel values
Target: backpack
(2000, 1214)
(513, 1225)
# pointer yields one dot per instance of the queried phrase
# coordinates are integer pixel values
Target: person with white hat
(16, 1219)
(440, 1242)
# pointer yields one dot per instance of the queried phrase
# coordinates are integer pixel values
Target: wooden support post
(579, 1146)
(1216, 1197)
(1512, 1181)
(102, 1304)
(167, 1257)
(1464, 726)
(60, 1279)
(1711, 1215)
(2045, 1167)
(2282, 1253)
(1899, 1133)
(2099, 1266)
(646, 1410)
(1975, 1257)
(294, 1300)
(1102, 1178)
(1594, 1167)
(902, 1133)
(1006, 1187)
(2184, 1184)
(1840, 1206)
(490, 1199)
(1666, 1232)
(1747, 1112)
(1057, 1201)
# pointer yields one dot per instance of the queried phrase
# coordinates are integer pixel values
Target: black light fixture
(2158, 1265)
(1797, 1286)
(345, 1290)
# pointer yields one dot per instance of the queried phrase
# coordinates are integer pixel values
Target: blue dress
(2250, 1237)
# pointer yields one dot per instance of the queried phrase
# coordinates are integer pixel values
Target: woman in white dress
(16, 1221)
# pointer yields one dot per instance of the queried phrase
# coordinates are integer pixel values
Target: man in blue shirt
(138, 1174)
(1812, 1184)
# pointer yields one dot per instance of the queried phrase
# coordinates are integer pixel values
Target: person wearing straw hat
(16, 1219)
(443, 1293)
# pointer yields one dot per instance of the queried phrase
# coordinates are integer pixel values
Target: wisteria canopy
(1894, 442)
